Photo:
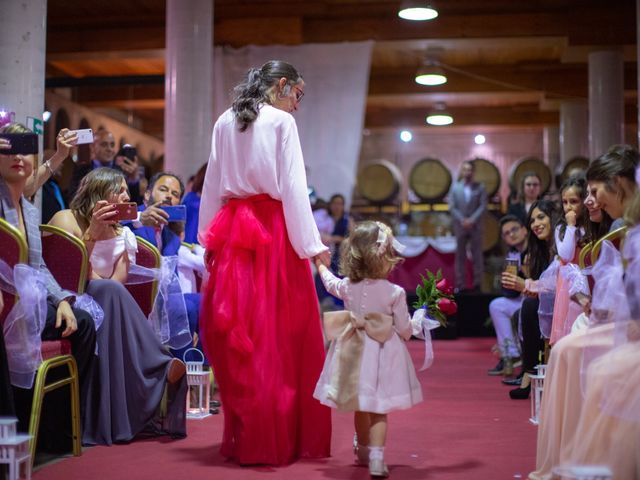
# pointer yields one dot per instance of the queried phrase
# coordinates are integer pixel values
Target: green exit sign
(36, 125)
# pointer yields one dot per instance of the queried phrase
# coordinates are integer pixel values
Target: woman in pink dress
(569, 237)
(260, 325)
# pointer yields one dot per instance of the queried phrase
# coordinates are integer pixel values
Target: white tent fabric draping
(331, 116)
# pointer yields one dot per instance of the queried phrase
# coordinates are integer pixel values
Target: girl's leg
(377, 430)
(361, 448)
(377, 439)
(362, 423)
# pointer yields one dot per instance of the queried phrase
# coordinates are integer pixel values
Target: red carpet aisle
(467, 428)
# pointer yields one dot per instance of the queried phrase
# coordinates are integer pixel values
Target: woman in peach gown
(611, 188)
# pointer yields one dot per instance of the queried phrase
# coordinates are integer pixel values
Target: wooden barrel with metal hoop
(526, 165)
(379, 181)
(487, 174)
(490, 231)
(574, 165)
(430, 179)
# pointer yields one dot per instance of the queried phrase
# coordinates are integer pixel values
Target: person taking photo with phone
(162, 205)
(62, 319)
(104, 154)
(129, 349)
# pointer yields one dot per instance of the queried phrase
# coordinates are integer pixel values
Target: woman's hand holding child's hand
(322, 259)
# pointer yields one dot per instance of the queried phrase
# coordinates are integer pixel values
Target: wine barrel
(487, 174)
(430, 180)
(379, 182)
(490, 231)
(530, 164)
(574, 165)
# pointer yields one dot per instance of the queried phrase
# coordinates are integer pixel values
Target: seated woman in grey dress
(134, 368)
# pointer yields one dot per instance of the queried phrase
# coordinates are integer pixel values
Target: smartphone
(177, 213)
(511, 266)
(126, 211)
(127, 151)
(21, 143)
(85, 136)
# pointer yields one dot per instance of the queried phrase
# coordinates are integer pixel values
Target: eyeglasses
(511, 231)
(299, 94)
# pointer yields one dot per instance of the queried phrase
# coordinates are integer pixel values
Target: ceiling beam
(601, 23)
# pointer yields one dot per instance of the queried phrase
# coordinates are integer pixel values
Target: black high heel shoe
(522, 393)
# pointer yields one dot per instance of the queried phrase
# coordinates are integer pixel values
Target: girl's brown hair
(361, 256)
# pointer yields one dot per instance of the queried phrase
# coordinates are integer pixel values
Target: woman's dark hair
(579, 183)
(259, 87)
(596, 230)
(198, 179)
(335, 196)
(541, 251)
(619, 161)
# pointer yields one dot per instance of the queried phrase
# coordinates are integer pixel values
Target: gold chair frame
(158, 258)
(582, 258)
(618, 233)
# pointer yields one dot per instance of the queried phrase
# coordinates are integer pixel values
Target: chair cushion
(55, 348)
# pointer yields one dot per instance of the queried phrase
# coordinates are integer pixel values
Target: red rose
(444, 287)
(446, 306)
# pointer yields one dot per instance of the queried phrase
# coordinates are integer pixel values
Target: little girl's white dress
(387, 378)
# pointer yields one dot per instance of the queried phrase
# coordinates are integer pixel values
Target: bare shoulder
(66, 220)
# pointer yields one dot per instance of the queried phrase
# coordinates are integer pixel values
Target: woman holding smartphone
(129, 352)
(540, 250)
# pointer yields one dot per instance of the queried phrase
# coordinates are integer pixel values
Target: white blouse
(266, 158)
(567, 246)
(105, 253)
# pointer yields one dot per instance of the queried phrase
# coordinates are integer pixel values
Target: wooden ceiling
(509, 62)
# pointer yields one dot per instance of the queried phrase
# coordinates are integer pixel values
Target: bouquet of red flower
(435, 296)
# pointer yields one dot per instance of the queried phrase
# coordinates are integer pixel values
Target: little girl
(368, 369)
(569, 236)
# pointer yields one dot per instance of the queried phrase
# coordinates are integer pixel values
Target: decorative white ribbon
(24, 323)
(421, 326)
(384, 234)
(168, 316)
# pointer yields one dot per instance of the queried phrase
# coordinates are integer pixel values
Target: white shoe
(377, 468)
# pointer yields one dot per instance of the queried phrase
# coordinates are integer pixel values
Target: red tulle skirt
(260, 328)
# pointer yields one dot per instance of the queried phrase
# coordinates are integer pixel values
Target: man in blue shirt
(165, 189)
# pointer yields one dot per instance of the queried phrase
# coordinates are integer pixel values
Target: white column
(22, 57)
(606, 101)
(574, 130)
(188, 112)
(551, 145)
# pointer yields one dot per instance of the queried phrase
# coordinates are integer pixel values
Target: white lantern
(14, 449)
(537, 387)
(198, 382)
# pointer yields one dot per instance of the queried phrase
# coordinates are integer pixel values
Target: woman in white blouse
(259, 321)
